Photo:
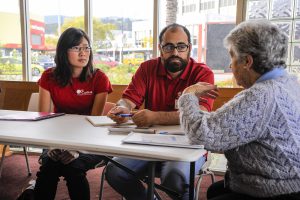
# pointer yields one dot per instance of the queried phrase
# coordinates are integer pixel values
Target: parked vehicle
(13, 66)
(133, 59)
(101, 59)
(45, 61)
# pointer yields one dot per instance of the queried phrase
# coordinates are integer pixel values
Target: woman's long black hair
(62, 72)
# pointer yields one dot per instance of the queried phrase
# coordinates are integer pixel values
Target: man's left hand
(144, 118)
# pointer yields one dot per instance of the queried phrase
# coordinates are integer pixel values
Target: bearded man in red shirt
(157, 84)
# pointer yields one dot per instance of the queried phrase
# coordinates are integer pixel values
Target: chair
(102, 183)
(33, 102)
(3, 156)
(107, 107)
(122, 198)
(202, 172)
(32, 106)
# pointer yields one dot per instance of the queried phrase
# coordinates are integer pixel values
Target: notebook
(29, 116)
(160, 140)
(105, 121)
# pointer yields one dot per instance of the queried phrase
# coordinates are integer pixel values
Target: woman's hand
(203, 89)
(68, 156)
(54, 154)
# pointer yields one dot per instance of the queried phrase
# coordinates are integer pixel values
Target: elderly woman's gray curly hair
(261, 39)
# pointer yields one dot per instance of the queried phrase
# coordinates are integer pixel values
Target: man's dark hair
(174, 26)
(62, 72)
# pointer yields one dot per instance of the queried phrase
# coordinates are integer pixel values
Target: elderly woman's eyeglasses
(79, 49)
(168, 48)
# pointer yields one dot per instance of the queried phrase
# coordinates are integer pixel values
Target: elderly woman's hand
(203, 89)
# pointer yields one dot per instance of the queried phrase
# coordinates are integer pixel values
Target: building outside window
(208, 24)
(123, 32)
(286, 14)
(10, 41)
(129, 41)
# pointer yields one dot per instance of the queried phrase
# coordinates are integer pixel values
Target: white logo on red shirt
(82, 92)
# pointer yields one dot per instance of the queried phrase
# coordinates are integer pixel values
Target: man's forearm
(168, 118)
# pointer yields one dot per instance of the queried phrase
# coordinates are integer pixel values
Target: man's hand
(203, 89)
(68, 156)
(144, 118)
(113, 114)
(54, 154)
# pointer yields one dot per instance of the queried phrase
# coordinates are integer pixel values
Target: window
(208, 24)
(286, 15)
(224, 3)
(48, 19)
(10, 41)
(122, 31)
(36, 39)
(188, 6)
(121, 28)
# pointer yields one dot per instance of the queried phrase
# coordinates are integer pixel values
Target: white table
(74, 132)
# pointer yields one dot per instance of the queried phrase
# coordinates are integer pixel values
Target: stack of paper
(160, 140)
(131, 129)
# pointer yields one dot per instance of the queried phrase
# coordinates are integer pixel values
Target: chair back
(34, 103)
(208, 161)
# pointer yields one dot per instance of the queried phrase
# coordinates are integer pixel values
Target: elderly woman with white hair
(259, 129)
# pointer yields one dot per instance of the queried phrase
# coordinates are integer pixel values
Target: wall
(15, 95)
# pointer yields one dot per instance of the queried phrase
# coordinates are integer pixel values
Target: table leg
(150, 181)
(192, 180)
(2, 159)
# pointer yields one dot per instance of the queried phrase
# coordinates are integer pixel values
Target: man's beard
(173, 66)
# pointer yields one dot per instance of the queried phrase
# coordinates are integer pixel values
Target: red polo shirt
(78, 97)
(154, 85)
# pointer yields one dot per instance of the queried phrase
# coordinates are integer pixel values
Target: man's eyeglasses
(168, 48)
(79, 49)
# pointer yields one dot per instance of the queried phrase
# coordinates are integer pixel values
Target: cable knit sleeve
(236, 123)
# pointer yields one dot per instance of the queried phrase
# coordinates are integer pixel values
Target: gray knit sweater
(259, 132)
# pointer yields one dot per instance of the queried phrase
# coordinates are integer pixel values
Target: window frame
(24, 17)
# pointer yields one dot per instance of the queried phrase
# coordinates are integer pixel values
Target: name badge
(176, 100)
(176, 104)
